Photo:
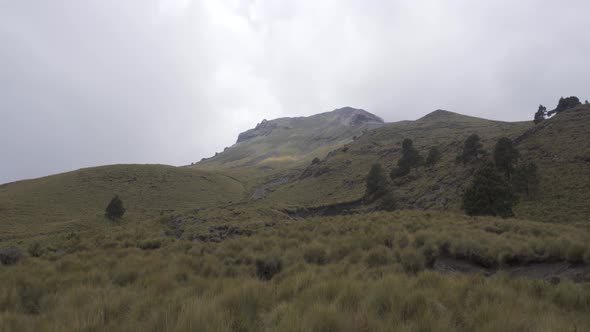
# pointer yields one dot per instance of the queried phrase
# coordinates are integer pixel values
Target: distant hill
(292, 139)
(76, 199)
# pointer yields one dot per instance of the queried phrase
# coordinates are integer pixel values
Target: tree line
(498, 182)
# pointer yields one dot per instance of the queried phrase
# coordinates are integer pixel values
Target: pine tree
(433, 156)
(565, 104)
(505, 156)
(115, 209)
(540, 115)
(410, 158)
(489, 194)
(376, 183)
(526, 179)
(472, 150)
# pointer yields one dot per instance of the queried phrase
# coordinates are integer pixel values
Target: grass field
(348, 273)
(77, 200)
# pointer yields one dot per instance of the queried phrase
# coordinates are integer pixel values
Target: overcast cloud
(95, 82)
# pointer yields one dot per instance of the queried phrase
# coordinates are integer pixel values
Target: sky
(95, 82)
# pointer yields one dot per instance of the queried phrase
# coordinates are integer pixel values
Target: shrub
(267, 268)
(315, 255)
(10, 255)
(388, 202)
(149, 244)
(115, 209)
(35, 249)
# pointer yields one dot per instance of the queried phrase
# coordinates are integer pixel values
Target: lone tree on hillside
(433, 156)
(376, 183)
(489, 194)
(410, 158)
(505, 156)
(472, 150)
(115, 209)
(565, 104)
(526, 179)
(541, 114)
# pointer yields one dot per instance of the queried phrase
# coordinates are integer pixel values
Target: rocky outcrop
(264, 128)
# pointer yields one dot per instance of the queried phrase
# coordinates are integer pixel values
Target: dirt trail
(552, 272)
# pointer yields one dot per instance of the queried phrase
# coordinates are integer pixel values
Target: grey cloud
(85, 83)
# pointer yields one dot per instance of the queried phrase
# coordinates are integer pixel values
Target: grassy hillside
(561, 148)
(76, 200)
(356, 273)
(345, 169)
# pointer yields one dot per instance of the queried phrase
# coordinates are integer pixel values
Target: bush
(315, 255)
(149, 244)
(10, 255)
(388, 202)
(266, 269)
(540, 115)
(35, 250)
(115, 209)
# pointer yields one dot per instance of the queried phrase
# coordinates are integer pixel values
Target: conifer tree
(410, 158)
(376, 183)
(489, 194)
(540, 115)
(115, 209)
(505, 156)
(472, 150)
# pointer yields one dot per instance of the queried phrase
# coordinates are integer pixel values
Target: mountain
(559, 145)
(273, 235)
(293, 139)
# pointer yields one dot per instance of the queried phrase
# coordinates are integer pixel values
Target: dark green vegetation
(298, 227)
(489, 194)
(115, 209)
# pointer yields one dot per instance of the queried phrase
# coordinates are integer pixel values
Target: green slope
(344, 170)
(76, 200)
